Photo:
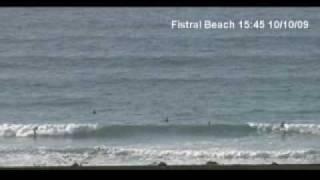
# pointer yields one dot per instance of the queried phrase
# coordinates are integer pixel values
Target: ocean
(119, 86)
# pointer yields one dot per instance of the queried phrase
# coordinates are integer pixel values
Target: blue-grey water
(99, 84)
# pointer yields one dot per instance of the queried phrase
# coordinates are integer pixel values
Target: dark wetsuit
(35, 132)
(283, 135)
(282, 125)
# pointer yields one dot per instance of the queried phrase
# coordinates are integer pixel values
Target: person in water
(35, 132)
(282, 124)
(94, 112)
(166, 120)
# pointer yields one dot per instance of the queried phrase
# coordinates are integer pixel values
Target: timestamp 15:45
(273, 24)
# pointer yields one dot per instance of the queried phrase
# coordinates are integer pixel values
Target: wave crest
(288, 128)
(26, 130)
(119, 131)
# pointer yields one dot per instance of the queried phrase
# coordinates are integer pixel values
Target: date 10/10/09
(274, 24)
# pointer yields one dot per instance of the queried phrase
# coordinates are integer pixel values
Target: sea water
(119, 86)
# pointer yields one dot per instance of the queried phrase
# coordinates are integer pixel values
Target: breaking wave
(288, 128)
(95, 130)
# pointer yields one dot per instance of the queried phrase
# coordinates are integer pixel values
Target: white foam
(73, 129)
(289, 128)
(134, 156)
(26, 130)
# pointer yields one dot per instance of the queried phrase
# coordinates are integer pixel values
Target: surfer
(283, 134)
(282, 124)
(166, 120)
(94, 112)
(35, 132)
